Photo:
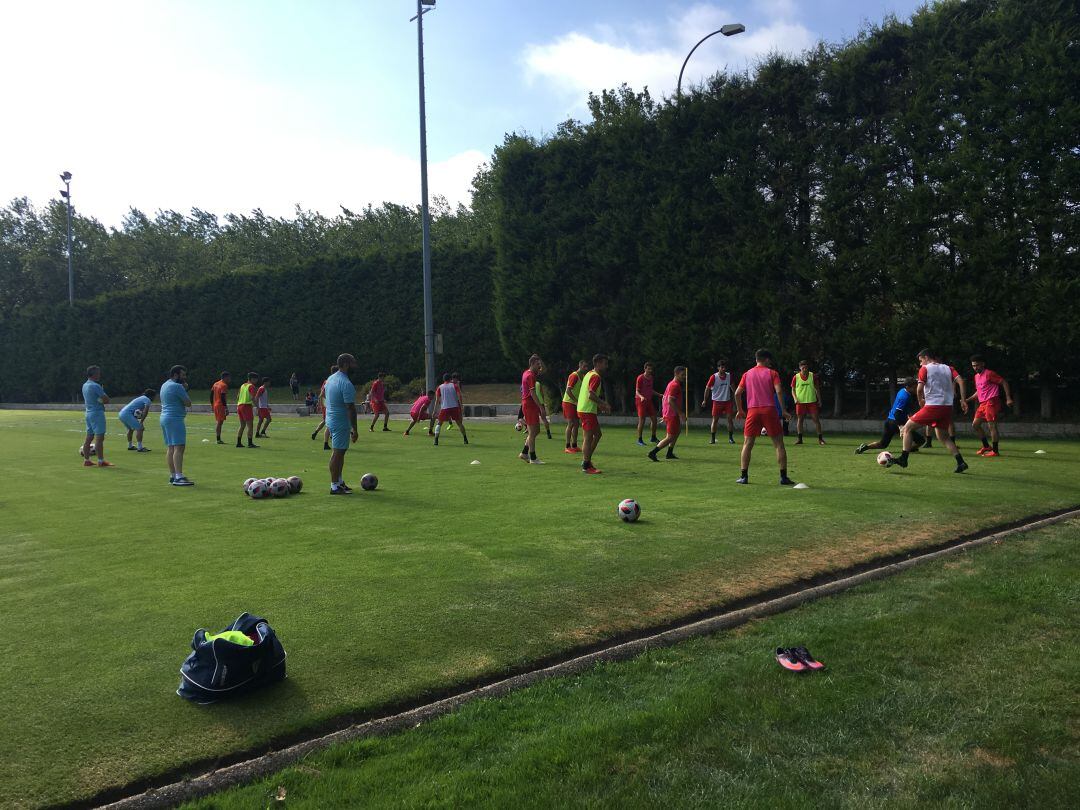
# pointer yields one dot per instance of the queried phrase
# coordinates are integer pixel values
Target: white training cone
(206, 441)
(800, 485)
(475, 461)
(1040, 452)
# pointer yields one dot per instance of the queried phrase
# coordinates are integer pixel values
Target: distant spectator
(294, 384)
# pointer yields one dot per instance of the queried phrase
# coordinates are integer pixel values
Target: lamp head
(65, 176)
(732, 29)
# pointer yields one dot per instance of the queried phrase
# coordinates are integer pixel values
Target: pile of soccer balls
(259, 488)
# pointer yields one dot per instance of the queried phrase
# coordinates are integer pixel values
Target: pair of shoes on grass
(797, 659)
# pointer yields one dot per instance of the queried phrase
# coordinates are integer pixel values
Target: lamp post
(429, 328)
(66, 194)
(728, 30)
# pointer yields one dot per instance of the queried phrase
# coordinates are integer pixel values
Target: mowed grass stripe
(450, 572)
(942, 687)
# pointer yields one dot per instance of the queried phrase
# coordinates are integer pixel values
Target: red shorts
(220, 413)
(721, 408)
(264, 413)
(589, 421)
(645, 407)
(450, 415)
(674, 426)
(419, 416)
(569, 411)
(530, 412)
(245, 412)
(989, 411)
(939, 416)
(765, 417)
(379, 407)
(806, 409)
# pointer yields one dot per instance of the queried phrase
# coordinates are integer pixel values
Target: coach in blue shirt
(96, 399)
(174, 402)
(340, 420)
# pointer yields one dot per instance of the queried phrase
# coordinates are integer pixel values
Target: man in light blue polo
(95, 398)
(340, 420)
(133, 417)
(174, 401)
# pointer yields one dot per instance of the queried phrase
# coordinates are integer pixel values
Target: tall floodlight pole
(729, 30)
(429, 327)
(66, 194)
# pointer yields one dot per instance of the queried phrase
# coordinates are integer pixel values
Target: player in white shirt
(936, 396)
(718, 389)
(447, 407)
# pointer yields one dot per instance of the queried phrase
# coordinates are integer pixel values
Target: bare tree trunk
(1046, 394)
(838, 394)
(1017, 389)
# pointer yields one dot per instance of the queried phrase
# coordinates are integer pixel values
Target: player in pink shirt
(988, 387)
(533, 411)
(761, 388)
(377, 400)
(643, 400)
(419, 412)
(936, 397)
(674, 413)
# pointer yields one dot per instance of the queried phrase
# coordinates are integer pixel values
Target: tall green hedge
(275, 322)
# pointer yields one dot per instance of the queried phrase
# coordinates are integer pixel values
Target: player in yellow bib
(569, 406)
(807, 395)
(590, 403)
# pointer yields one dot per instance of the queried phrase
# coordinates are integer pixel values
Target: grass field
(281, 396)
(449, 572)
(951, 685)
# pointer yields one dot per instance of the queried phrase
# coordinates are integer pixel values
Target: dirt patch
(990, 758)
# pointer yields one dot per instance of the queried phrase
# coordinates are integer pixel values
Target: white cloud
(577, 63)
(142, 117)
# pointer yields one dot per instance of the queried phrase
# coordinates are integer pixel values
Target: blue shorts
(130, 422)
(95, 423)
(340, 435)
(175, 431)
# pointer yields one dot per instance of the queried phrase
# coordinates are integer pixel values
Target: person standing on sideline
(643, 399)
(761, 388)
(936, 396)
(219, 401)
(807, 395)
(419, 411)
(988, 386)
(245, 410)
(569, 406)
(262, 402)
(532, 410)
(447, 407)
(320, 407)
(377, 398)
(590, 403)
(898, 416)
(341, 421)
(133, 417)
(294, 385)
(96, 399)
(174, 400)
(673, 416)
(718, 388)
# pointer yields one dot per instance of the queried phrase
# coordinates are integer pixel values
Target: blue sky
(237, 104)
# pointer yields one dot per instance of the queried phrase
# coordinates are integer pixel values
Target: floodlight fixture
(65, 176)
(729, 30)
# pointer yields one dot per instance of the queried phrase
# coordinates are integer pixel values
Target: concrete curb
(251, 769)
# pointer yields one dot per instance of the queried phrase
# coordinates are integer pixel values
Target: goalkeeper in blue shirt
(904, 403)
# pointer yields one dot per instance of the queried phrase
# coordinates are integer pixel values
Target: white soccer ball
(93, 451)
(248, 483)
(884, 457)
(369, 482)
(629, 510)
(279, 488)
(518, 427)
(295, 483)
(139, 413)
(258, 489)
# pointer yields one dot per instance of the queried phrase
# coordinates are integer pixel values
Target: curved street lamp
(729, 30)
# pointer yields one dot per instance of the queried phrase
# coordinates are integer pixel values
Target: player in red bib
(674, 414)
(718, 389)
(988, 387)
(532, 410)
(761, 388)
(643, 399)
(377, 400)
(935, 393)
(569, 406)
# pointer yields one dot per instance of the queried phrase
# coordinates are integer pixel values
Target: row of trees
(917, 186)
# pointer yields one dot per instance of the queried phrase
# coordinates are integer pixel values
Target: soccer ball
(93, 451)
(884, 457)
(629, 510)
(280, 488)
(258, 489)
(518, 426)
(295, 484)
(139, 413)
(368, 482)
(247, 485)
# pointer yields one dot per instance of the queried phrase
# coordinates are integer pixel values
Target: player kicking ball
(673, 417)
(759, 388)
(448, 407)
(532, 410)
(935, 394)
(419, 411)
(133, 417)
(988, 386)
(898, 416)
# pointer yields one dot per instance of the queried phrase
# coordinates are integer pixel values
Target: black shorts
(889, 429)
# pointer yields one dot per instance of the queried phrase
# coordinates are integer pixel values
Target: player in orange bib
(219, 401)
